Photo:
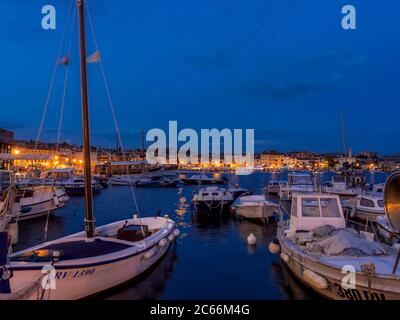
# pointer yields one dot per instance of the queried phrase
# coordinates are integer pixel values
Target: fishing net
(331, 241)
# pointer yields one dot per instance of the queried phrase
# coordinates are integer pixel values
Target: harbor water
(209, 260)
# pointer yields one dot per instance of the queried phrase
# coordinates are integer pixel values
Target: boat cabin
(370, 202)
(313, 210)
(295, 179)
(59, 174)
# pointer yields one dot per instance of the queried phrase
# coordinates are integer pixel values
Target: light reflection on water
(209, 262)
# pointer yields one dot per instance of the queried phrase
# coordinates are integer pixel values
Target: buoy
(274, 246)
(285, 257)
(176, 232)
(251, 239)
(171, 237)
(163, 242)
(315, 279)
(12, 232)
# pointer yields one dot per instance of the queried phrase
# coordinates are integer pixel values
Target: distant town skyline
(284, 68)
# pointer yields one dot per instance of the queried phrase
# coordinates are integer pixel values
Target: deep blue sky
(283, 67)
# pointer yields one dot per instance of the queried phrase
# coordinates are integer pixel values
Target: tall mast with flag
(89, 218)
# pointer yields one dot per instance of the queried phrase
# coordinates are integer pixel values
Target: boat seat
(133, 232)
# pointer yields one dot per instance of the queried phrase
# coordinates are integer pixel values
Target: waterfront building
(6, 143)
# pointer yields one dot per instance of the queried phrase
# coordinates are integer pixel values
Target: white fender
(314, 279)
(163, 242)
(150, 254)
(12, 232)
(56, 201)
(171, 237)
(285, 257)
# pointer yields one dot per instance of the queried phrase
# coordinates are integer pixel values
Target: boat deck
(73, 250)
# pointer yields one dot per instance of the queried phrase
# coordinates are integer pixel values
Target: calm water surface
(208, 261)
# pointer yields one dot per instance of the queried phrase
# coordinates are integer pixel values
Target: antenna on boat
(89, 218)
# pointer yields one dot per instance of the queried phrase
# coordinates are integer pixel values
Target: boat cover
(329, 240)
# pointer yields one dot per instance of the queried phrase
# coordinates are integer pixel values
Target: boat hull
(81, 278)
(255, 211)
(383, 288)
(212, 207)
(77, 283)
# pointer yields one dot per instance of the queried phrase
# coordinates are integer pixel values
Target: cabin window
(329, 208)
(215, 193)
(205, 194)
(367, 203)
(310, 207)
(380, 203)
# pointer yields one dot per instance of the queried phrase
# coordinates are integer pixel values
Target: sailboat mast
(89, 218)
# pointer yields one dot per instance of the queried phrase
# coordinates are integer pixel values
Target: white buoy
(274, 247)
(251, 239)
(12, 232)
(163, 242)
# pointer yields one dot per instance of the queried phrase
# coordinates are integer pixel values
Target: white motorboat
(73, 185)
(318, 249)
(36, 202)
(365, 206)
(274, 186)
(339, 186)
(237, 191)
(254, 207)
(212, 201)
(202, 179)
(123, 180)
(89, 262)
(298, 182)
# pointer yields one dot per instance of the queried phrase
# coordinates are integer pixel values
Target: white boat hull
(255, 211)
(384, 287)
(80, 278)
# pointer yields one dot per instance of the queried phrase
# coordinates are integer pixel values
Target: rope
(53, 76)
(65, 83)
(53, 189)
(114, 116)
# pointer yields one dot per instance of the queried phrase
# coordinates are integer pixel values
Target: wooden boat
(376, 277)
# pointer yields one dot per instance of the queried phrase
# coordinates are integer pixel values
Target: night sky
(283, 67)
